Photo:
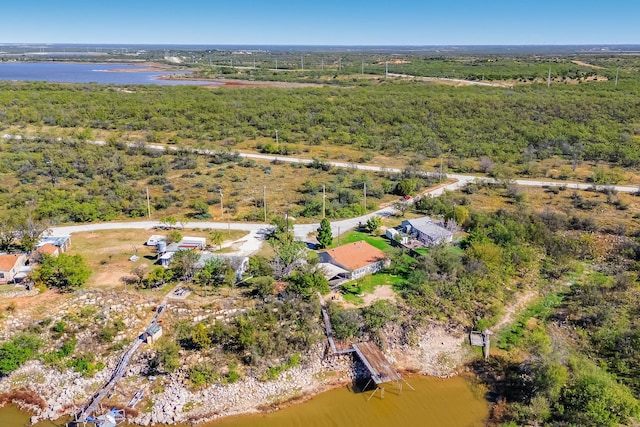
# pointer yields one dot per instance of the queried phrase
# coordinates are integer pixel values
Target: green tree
(167, 354)
(325, 238)
(183, 264)
(460, 214)
(259, 266)
(200, 336)
(201, 209)
(174, 236)
(217, 238)
(307, 283)
(379, 314)
(158, 276)
(595, 399)
(406, 187)
(17, 351)
(168, 221)
(373, 224)
(214, 273)
(346, 323)
(64, 272)
(263, 286)
(8, 231)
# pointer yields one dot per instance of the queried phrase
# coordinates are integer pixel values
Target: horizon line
(320, 45)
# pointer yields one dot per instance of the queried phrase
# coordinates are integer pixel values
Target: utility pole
(221, 206)
(362, 67)
(276, 64)
(277, 143)
(386, 70)
(365, 197)
(549, 78)
(264, 202)
(322, 63)
(324, 200)
(617, 73)
(338, 235)
(148, 203)
(339, 64)
(302, 62)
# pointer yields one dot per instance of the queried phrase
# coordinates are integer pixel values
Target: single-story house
(10, 266)
(166, 252)
(427, 231)
(48, 249)
(62, 242)
(193, 243)
(240, 264)
(357, 258)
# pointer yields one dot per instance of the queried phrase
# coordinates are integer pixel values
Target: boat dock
(381, 371)
(378, 366)
(87, 412)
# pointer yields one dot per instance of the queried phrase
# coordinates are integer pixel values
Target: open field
(107, 252)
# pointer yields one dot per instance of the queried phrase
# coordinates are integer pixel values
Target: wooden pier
(87, 412)
(379, 367)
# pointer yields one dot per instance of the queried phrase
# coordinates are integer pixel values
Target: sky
(321, 22)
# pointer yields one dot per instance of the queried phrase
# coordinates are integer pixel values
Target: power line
(264, 202)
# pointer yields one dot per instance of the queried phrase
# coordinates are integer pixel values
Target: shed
(153, 333)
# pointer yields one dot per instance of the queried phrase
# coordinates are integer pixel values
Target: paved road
(250, 244)
(446, 79)
(462, 179)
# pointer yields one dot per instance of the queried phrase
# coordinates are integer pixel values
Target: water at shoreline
(436, 402)
(69, 72)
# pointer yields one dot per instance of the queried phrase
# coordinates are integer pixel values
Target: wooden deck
(379, 367)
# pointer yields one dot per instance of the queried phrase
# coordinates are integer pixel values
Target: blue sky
(328, 22)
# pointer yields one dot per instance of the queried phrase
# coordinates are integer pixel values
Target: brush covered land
(567, 259)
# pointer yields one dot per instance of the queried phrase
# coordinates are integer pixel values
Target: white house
(62, 242)
(166, 252)
(427, 231)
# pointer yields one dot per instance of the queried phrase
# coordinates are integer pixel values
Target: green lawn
(356, 236)
(352, 291)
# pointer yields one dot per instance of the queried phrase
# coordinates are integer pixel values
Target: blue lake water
(65, 72)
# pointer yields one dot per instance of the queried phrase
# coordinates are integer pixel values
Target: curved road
(301, 231)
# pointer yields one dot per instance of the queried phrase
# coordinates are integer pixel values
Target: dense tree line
(592, 121)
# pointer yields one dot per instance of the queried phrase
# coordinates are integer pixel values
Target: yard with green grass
(354, 291)
(378, 241)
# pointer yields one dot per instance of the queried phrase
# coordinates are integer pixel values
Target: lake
(451, 402)
(67, 72)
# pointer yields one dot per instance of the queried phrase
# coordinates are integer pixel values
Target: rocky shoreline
(169, 399)
(174, 402)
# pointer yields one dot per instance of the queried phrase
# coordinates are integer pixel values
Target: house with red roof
(48, 249)
(357, 258)
(10, 265)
